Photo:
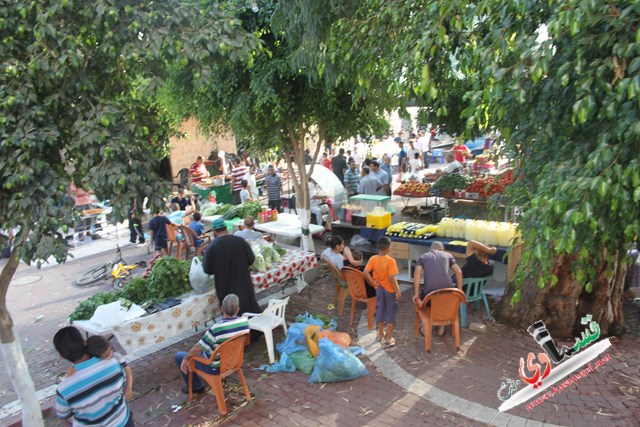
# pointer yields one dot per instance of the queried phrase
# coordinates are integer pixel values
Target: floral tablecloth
(293, 264)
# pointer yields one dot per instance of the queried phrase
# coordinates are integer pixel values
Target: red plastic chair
(342, 289)
(442, 311)
(356, 282)
(231, 359)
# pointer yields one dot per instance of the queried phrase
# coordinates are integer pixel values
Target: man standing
(351, 179)
(357, 157)
(412, 151)
(386, 166)
(368, 184)
(339, 165)
(229, 257)
(230, 326)
(274, 189)
(135, 223)
(381, 176)
(424, 145)
(250, 176)
(198, 170)
(237, 175)
(402, 158)
(94, 394)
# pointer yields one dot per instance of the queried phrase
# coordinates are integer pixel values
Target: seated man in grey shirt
(435, 264)
(248, 233)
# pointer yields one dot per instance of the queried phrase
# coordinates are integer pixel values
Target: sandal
(391, 342)
(380, 338)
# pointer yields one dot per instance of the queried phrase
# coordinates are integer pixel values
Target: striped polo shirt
(273, 184)
(219, 332)
(237, 175)
(94, 394)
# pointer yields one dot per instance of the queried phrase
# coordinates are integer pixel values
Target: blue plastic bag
(334, 364)
(310, 320)
(285, 364)
(294, 341)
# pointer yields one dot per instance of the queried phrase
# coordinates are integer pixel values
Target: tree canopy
(560, 80)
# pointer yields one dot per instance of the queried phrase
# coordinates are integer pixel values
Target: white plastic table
(287, 225)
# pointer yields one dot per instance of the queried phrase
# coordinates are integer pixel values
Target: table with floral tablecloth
(292, 266)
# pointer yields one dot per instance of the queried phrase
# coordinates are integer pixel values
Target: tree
(77, 105)
(271, 101)
(566, 105)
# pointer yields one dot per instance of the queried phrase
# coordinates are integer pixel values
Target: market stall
(197, 310)
(216, 184)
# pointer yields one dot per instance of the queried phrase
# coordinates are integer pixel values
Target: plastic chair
(189, 242)
(268, 320)
(474, 291)
(183, 182)
(342, 288)
(172, 239)
(231, 359)
(356, 282)
(442, 311)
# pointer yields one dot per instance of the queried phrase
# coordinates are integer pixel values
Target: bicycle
(119, 269)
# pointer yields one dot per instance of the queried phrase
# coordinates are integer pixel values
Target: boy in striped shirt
(94, 394)
(219, 332)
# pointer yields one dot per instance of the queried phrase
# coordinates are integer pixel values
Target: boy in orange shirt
(381, 270)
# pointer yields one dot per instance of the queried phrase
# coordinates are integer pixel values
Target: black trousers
(135, 228)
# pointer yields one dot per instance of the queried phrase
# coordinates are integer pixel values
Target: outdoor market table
(197, 310)
(411, 249)
(287, 225)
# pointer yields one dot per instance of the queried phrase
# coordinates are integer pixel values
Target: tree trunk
(300, 183)
(13, 355)
(563, 305)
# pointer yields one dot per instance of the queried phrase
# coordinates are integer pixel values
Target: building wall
(185, 150)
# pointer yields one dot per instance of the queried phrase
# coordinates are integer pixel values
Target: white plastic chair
(268, 320)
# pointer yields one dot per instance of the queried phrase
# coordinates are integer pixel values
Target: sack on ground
(334, 364)
(200, 281)
(303, 361)
(294, 341)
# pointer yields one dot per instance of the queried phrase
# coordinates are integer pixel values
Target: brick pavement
(606, 397)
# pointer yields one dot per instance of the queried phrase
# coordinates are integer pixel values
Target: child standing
(99, 347)
(381, 270)
(158, 228)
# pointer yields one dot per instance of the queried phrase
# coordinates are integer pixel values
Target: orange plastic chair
(356, 282)
(172, 239)
(189, 241)
(442, 311)
(231, 359)
(342, 289)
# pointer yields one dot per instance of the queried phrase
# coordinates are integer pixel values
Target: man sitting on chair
(229, 326)
(248, 233)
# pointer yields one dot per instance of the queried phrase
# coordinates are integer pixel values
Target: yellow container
(378, 220)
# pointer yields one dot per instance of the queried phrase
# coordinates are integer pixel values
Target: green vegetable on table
(280, 250)
(243, 210)
(169, 277)
(452, 181)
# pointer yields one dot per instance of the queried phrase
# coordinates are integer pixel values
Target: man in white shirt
(315, 201)
(424, 143)
(248, 233)
(250, 176)
(453, 166)
(412, 151)
(356, 157)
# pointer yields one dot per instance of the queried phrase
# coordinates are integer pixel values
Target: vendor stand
(218, 184)
(287, 226)
(198, 310)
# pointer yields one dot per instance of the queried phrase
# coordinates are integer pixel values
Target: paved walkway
(404, 386)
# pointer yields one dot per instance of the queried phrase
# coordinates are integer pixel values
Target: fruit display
(412, 230)
(490, 185)
(488, 232)
(452, 181)
(412, 189)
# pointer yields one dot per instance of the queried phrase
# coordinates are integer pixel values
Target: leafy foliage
(169, 277)
(86, 308)
(78, 104)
